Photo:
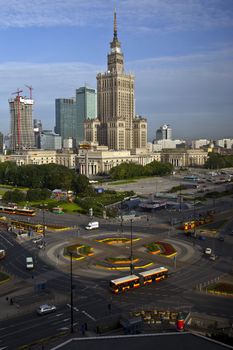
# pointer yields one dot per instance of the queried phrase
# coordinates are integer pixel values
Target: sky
(180, 51)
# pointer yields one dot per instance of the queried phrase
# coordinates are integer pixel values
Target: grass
(3, 277)
(123, 182)
(221, 287)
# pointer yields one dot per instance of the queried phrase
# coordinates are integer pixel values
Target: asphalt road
(183, 290)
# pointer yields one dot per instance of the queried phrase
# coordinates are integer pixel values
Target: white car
(46, 309)
(208, 251)
(37, 240)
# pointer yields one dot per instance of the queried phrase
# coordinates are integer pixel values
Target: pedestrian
(7, 299)
(11, 301)
(83, 329)
(85, 326)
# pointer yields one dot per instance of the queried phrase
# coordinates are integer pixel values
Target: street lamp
(43, 212)
(194, 215)
(71, 295)
(131, 246)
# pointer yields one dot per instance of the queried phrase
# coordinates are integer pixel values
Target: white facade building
(199, 143)
(225, 143)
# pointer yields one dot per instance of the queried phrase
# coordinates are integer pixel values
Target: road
(184, 289)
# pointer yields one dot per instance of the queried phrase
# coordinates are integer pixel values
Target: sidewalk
(18, 297)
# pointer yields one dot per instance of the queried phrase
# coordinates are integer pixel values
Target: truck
(92, 225)
(2, 254)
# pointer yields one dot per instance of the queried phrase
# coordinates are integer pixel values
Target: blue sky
(181, 52)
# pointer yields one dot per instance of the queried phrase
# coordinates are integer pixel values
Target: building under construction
(22, 136)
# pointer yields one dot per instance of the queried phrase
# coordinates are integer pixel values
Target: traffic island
(122, 263)
(4, 277)
(162, 248)
(78, 251)
(117, 240)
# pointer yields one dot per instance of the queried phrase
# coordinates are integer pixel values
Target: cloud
(143, 15)
(191, 92)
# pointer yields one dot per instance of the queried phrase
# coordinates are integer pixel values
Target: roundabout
(112, 254)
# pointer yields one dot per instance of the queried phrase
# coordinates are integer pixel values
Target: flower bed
(162, 248)
(78, 251)
(121, 260)
(116, 240)
(153, 248)
(166, 249)
(221, 288)
(4, 277)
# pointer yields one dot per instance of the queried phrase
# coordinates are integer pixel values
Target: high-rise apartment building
(66, 118)
(22, 136)
(1, 142)
(86, 108)
(115, 103)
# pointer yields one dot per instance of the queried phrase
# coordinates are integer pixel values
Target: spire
(115, 26)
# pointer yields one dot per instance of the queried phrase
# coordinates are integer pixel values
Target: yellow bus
(24, 225)
(123, 284)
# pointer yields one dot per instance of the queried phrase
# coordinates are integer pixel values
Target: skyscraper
(22, 136)
(115, 104)
(86, 108)
(66, 118)
(115, 99)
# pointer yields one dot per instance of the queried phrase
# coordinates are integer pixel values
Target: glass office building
(86, 108)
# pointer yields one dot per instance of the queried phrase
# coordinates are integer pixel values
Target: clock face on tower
(116, 49)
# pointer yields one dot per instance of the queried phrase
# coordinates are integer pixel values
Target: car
(202, 238)
(46, 309)
(37, 240)
(213, 257)
(208, 251)
(221, 239)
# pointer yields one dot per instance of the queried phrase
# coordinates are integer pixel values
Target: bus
(17, 211)
(154, 275)
(27, 226)
(138, 280)
(124, 283)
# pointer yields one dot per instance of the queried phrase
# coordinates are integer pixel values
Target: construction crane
(30, 89)
(18, 116)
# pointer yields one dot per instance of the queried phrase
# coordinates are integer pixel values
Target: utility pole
(43, 213)
(131, 246)
(71, 295)
(194, 215)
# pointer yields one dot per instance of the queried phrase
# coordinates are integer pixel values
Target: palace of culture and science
(116, 125)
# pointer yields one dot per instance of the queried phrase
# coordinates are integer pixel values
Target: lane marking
(87, 314)
(7, 240)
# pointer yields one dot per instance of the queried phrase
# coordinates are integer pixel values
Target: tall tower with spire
(116, 125)
(115, 99)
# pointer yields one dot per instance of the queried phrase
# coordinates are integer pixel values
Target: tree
(80, 184)
(14, 196)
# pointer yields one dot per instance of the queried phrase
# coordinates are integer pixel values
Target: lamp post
(194, 216)
(43, 213)
(131, 246)
(71, 295)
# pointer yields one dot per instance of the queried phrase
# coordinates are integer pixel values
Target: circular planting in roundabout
(112, 253)
(161, 248)
(78, 251)
(117, 240)
(121, 261)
